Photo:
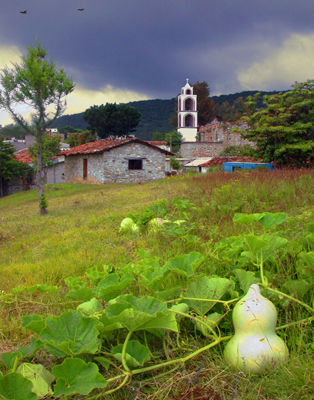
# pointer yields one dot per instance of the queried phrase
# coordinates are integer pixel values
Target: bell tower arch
(187, 113)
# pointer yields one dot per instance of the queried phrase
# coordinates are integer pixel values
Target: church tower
(187, 113)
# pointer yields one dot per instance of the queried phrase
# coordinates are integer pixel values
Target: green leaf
(305, 264)
(245, 278)
(8, 359)
(182, 308)
(83, 294)
(90, 307)
(210, 320)
(112, 286)
(247, 219)
(141, 313)
(103, 361)
(262, 247)
(136, 353)
(75, 376)
(206, 288)
(272, 219)
(297, 288)
(40, 377)
(185, 264)
(33, 322)
(15, 387)
(71, 333)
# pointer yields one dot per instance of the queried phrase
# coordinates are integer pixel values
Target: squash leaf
(15, 387)
(90, 307)
(245, 278)
(75, 376)
(136, 353)
(137, 314)
(112, 286)
(206, 288)
(71, 333)
(40, 377)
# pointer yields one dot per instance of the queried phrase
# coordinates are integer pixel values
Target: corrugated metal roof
(198, 161)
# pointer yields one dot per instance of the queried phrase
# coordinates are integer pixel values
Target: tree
(173, 139)
(38, 83)
(9, 166)
(75, 139)
(50, 145)
(68, 129)
(283, 129)
(13, 130)
(112, 119)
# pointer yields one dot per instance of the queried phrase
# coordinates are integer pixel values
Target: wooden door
(85, 168)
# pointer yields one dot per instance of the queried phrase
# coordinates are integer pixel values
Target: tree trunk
(39, 178)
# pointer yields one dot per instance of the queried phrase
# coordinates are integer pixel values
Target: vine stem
(198, 320)
(290, 298)
(123, 355)
(180, 360)
(301, 321)
(205, 300)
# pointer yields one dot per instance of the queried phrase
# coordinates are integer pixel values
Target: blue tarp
(233, 166)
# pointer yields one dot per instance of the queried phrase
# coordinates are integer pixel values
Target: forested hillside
(156, 114)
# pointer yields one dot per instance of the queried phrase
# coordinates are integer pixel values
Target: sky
(129, 50)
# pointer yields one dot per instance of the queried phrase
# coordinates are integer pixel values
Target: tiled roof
(157, 142)
(98, 146)
(221, 160)
(23, 156)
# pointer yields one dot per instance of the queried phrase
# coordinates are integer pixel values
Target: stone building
(214, 137)
(118, 160)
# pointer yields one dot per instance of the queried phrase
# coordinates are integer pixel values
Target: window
(136, 164)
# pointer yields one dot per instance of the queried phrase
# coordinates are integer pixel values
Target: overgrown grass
(82, 231)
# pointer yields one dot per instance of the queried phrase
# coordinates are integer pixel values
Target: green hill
(156, 114)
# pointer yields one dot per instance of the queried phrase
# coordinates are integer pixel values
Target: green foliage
(173, 139)
(112, 119)
(9, 167)
(15, 387)
(75, 376)
(283, 129)
(136, 353)
(78, 138)
(38, 83)
(40, 377)
(12, 130)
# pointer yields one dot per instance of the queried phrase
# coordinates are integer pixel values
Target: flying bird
(80, 9)
(23, 12)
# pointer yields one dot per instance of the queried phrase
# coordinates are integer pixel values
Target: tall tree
(38, 83)
(173, 139)
(112, 119)
(9, 166)
(205, 105)
(284, 129)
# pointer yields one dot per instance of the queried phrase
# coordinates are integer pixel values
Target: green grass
(81, 231)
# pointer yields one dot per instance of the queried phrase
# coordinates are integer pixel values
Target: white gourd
(255, 343)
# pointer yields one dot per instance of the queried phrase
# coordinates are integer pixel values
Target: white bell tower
(187, 113)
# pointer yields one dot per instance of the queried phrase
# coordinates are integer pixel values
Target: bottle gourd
(255, 343)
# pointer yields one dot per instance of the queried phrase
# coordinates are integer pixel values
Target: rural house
(115, 160)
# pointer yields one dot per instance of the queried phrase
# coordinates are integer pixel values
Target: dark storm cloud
(150, 46)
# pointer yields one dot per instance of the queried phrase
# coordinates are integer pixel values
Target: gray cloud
(151, 46)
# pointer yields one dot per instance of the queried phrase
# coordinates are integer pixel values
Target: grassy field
(81, 233)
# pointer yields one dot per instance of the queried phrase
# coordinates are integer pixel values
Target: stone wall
(190, 150)
(55, 173)
(113, 165)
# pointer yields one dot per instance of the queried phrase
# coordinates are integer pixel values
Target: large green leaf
(272, 219)
(15, 387)
(297, 288)
(245, 278)
(33, 322)
(136, 353)
(83, 294)
(262, 247)
(112, 286)
(71, 333)
(40, 377)
(75, 376)
(90, 307)
(247, 219)
(136, 313)
(185, 264)
(206, 288)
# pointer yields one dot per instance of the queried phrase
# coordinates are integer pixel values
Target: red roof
(157, 142)
(98, 146)
(221, 160)
(23, 156)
